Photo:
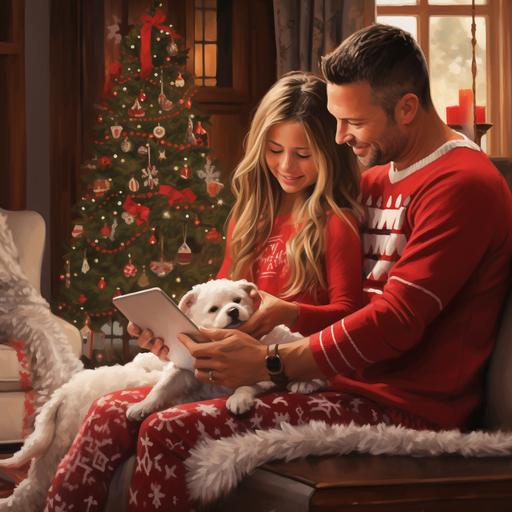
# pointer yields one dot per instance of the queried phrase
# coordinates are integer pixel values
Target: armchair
(28, 230)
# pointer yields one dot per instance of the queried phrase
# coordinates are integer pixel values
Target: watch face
(273, 364)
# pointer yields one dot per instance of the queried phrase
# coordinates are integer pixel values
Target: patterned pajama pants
(164, 439)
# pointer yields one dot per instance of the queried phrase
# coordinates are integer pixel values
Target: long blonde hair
(300, 97)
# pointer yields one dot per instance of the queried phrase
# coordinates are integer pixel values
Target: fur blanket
(215, 467)
(25, 315)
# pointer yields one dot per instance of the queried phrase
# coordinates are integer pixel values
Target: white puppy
(218, 304)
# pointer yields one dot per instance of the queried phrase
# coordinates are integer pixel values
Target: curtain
(307, 29)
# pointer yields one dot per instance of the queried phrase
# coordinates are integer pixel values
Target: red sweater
(438, 251)
(343, 272)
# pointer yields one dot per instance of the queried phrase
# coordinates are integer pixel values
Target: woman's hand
(233, 359)
(271, 312)
(146, 340)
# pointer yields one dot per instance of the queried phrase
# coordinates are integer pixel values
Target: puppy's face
(219, 304)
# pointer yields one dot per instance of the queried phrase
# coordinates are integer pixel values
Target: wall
(37, 35)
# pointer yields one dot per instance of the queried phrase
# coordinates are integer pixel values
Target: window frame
(498, 71)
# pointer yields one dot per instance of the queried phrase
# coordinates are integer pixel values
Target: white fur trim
(216, 466)
(335, 341)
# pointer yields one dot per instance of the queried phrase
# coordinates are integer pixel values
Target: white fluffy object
(215, 467)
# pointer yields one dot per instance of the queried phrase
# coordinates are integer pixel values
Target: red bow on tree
(177, 196)
(141, 213)
(148, 22)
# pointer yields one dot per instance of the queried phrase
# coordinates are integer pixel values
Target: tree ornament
(184, 254)
(164, 102)
(105, 161)
(100, 186)
(102, 283)
(214, 187)
(185, 172)
(150, 173)
(116, 131)
(190, 131)
(161, 267)
(99, 119)
(180, 81)
(105, 230)
(142, 150)
(208, 173)
(152, 237)
(136, 110)
(85, 264)
(143, 280)
(200, 135)
(129, 270)
(113, 229)
(77, 231)
(67, 275)
(158, 131)
(142, 95)
(118, 292)
(126, 145)
(128, 218)
(162, 155)
(172, 48)
(188, 103)
(213, 235)
(82, 299)
(133, 185)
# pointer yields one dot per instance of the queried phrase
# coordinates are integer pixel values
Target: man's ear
(247, 286)
(406, 108)
(188, 300)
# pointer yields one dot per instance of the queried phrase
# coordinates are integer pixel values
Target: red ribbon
(148, 22)
(177, 196)
(141, 213)
(114, 71)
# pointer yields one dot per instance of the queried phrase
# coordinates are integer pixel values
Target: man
(437, 240)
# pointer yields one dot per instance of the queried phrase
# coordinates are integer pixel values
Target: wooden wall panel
(12, 106)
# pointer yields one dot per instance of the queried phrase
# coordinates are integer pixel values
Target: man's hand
(271, 312)
(146, 340)
(232, 359)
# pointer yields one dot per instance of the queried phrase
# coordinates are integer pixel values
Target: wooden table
(358, 483)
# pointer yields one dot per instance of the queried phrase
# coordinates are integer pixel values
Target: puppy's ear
(250, 288)
(188, 300)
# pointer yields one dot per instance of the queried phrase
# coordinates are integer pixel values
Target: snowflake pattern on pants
(164, 439)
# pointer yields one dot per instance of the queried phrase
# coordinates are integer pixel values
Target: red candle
(480, 115)
(454, 115)
(466, 105)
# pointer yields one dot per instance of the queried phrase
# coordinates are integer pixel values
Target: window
(212, 43)
(443, 30)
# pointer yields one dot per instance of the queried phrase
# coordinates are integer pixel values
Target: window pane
(450, 60)
(199, 25)
(395, 2)
(210, 60)
(455, 2)
(407, 23)
(198, 61)
(210, 25)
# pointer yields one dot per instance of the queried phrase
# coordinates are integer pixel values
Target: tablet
(154, 309)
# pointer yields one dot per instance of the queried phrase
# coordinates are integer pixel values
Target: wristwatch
(275, 367)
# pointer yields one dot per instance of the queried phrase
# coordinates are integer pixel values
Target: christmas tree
(153, 208)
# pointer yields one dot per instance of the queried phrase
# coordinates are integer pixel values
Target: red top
(343, 271)
(438, 253)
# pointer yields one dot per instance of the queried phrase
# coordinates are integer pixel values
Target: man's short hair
(387, 58)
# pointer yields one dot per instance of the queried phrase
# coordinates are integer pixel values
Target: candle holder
(480, 130)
